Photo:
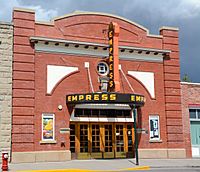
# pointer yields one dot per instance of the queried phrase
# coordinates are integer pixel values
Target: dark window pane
(87, 112)
(103, 113)
(72, 137)
(127, 113)
(72, 144)
(198, 111)
(78, 112)
(72, 150)
(110, 113)
(118, 113)
(95, 113)
(192, 113)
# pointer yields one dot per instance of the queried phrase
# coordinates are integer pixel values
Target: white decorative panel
(55, 74)
(147, 79)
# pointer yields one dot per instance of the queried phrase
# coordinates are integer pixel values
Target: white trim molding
(190, 83)
(55, 74)
(147, 79)
(168, 28)
(76, 13)
(97, 50)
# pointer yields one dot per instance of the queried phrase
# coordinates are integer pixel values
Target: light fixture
(60, 107)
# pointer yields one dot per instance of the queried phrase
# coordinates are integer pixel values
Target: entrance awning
(105, 98)
(103, 106)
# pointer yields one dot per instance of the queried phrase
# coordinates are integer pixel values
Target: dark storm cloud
(189, 48)
(184, 14)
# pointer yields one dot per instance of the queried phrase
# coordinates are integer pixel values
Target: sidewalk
(106, 165)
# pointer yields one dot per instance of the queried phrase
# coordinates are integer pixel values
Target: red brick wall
(23, 82)
(91, 27)
(78, 83)
(190, 92)
(29, 83)
(172, 90)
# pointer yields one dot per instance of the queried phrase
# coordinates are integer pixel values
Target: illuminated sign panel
(111, 58)
(105, 98)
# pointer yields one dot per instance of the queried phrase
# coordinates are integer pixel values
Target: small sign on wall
(142, 130)
(64, 130)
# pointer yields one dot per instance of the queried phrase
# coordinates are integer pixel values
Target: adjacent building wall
(6, 51)
(190, 92)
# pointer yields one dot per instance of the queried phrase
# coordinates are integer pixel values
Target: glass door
(98, 140)
(95, 150)
(83, 142)
(119, 140)
(108, 150)
(83, 138)
(130, 140)
(72, 140)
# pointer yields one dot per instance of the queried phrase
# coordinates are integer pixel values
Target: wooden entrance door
(108, 146)
(98, 140)
(95, 139)
(120, 141)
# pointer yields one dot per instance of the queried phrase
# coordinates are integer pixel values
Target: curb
(190, 166)
(85, 170)
(136, 168)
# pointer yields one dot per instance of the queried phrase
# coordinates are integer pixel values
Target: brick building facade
(6, 54)
(63, 57)
(191, 125)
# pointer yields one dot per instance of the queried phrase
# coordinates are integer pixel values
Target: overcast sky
(152, 14)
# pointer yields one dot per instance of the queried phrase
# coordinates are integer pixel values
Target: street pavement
(185, 169)
(108, 165)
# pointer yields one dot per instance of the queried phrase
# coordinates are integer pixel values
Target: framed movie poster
(154, 127)
(48, 127)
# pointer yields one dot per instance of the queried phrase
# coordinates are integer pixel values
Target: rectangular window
(198, 112)
(101, 113)
(192, 113)
(48, 127)
(154, 127)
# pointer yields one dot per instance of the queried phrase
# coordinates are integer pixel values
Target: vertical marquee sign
(111, 85)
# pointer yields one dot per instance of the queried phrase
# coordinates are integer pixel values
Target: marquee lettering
(105, 98)
(81, 97)
(74, 98)
(111, 60)
(133, 98)
(88, 97)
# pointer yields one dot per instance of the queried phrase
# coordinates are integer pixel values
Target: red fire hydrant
(4, 161)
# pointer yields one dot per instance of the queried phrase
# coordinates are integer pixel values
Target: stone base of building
(162, 153)
(41, 156)
(52, 156)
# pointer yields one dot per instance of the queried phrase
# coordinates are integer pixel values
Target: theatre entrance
(101, 140)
